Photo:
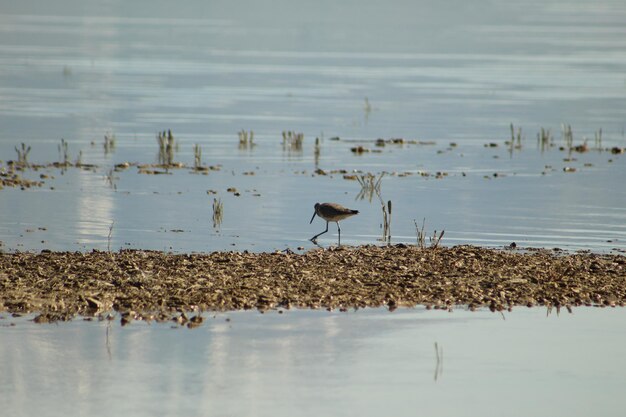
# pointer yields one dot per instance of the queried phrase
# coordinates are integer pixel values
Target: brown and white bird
(331, 212)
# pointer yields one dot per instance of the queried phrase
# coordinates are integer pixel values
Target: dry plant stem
(22, 155)
(109, 237)
(167, 145)
(389, 223)
(197, 156)
(109, 143)
(370, 185)
(598, 139)
(435, 240)
(246, 139)
(218, 210)
(386, 220)
(292, 140)
(64, 154)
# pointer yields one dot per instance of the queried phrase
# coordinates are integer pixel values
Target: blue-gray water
(439, 72)
(311, 363)
(449, 72)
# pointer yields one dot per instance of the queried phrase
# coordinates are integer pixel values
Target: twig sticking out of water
(109, 237)
(370, 184)
(434, 241)
(167, 144)
(79, 159)
(421, 236)
(218, 210)
(197, 157)
(316, 152)
(64, 155)
(246, 139)
(544, 139)
(598, 139)
(22, 154)
(516, 139)
(386, 220)
(110, 178)
(568, 136)
(368, 106)
(292, 140)
(109, 143)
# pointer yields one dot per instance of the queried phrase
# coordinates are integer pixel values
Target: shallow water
(438, 72)
(365, 363)
(443, 73)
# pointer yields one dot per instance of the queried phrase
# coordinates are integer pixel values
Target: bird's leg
(339, 231)
(319, 234)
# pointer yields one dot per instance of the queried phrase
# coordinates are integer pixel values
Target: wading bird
(331, 212)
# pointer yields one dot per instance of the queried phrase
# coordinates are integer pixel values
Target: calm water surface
(366, 363)
(452, 74)
(442, 73)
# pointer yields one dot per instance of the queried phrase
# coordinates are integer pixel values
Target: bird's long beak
(314, 213)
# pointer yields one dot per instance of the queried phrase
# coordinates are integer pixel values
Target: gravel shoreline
(157, 285)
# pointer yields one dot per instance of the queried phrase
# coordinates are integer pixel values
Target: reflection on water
(453, 75)
(92, 211)
(319, 363)
(442, 74)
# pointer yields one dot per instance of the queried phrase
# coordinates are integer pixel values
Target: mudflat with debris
(157, 285)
